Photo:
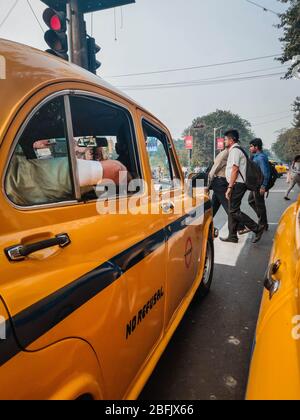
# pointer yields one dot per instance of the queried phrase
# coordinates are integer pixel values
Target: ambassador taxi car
(275, 370)
(88, 301)
(280, 168)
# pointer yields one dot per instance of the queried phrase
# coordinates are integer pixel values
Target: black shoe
(259, 234)
(287, 198)
(230, 240)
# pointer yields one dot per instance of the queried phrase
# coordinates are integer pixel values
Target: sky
(154, 35)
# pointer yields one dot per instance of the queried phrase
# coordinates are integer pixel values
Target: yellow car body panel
(281, 169)
(118, 268)
(275, 368)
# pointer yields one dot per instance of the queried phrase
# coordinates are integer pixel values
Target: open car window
(103, 132)
(39, 171)
(161, 158)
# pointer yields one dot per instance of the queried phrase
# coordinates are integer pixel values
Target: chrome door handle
(20, 252)
(167, 207)
(272, 285)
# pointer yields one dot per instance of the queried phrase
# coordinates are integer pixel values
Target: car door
(183, 220)
(68, 270)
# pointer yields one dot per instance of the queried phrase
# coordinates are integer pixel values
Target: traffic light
(56, 37)
(93, 49)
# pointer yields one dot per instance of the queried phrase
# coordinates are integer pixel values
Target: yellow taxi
(280, 168)
(275, 369)
(89, 299)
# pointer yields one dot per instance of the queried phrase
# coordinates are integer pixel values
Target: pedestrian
(294, 176)
(236, 175)
(257, 198)
(218, 184)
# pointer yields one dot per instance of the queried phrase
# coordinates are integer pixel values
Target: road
(209, 356)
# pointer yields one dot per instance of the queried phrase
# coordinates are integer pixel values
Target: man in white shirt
(236, 173)
(295, 176)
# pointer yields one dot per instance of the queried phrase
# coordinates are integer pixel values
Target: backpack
(273, 177)
(254, 176)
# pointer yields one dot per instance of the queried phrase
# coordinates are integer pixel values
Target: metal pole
(70, 34)
(77, 35)
(190, 152)
(215, 140)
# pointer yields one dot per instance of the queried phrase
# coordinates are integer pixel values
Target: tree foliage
(290, 23)
(296, 109)
(204, 137)
(287, 145)
(182, 153)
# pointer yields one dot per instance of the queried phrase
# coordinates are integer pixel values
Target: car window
(39, 171)
(103, 132)
(160, 157)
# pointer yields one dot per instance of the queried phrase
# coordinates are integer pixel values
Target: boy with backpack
(257, 198)
(241, 174)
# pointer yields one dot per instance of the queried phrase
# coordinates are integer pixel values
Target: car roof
(28, 70)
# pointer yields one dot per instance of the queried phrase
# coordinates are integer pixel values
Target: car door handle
(20, 252)
(167, 207)
(271, 284)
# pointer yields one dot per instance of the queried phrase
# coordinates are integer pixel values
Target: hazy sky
(167, 34)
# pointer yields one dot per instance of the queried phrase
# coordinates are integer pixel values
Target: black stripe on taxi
(38, 319)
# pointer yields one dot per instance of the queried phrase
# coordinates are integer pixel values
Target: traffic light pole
(77, 34)
(68, 15)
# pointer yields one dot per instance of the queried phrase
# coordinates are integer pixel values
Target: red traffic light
(56, 21)
(56, 37)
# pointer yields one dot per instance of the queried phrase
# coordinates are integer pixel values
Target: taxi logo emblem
(188, 253)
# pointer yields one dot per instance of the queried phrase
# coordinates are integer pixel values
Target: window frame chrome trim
(124, 108)
(66, 94)
(138, 152)
(173, 160)
(20, 132)
(70, 134)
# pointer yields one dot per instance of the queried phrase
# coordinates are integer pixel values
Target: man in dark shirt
(257, 198)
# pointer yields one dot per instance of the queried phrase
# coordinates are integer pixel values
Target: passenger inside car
(40, 170)
(54, 180)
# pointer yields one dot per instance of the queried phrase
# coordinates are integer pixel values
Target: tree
(296, 109)
(290, 23)
(204, 137)
(182, 153)
(287, 145)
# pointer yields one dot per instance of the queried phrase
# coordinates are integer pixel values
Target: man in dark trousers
(257, 198)
(218, 184)
(236, 173)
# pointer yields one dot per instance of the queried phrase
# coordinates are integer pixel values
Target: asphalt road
(209, 356)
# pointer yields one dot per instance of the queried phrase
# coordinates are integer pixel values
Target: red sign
(189, 142)
(220, 144)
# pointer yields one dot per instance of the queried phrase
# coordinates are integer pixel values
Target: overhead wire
(173, 70)
(35, 15)
(272, 121)
(9, 13)
(203, 82)
(265, 9)
(269, 115)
